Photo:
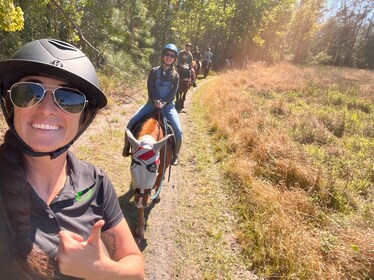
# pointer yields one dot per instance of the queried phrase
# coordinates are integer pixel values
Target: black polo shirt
(87, 197)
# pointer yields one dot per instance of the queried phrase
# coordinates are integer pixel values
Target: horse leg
(140, 229)
(157, 199)
(184, 96)
(141, 198)
(178, 99)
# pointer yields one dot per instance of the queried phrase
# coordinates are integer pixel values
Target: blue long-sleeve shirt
(165, 75)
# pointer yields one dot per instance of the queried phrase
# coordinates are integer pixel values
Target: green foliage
(11, 17)
(320, 58)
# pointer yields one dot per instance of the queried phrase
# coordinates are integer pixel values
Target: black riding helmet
(50, 57)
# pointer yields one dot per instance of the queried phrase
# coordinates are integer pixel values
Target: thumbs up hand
(77, 257)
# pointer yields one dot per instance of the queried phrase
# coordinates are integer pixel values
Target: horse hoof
(139, 234)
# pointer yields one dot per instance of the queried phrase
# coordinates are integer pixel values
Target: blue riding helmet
(170, 47)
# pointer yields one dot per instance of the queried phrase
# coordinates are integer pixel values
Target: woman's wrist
(109, 269)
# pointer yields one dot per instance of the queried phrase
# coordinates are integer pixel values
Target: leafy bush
(320, 58)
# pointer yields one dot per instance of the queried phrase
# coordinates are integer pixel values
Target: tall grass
(300, 158)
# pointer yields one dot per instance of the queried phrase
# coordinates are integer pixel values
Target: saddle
(169, 130)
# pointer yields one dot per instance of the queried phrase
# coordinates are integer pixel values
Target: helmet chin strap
(27, 150)
(53, 154)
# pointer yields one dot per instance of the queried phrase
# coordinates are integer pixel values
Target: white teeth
(44, 126)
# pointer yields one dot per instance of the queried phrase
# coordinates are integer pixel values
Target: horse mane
(151, 127)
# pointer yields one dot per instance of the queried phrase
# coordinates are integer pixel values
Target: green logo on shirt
(83, 195)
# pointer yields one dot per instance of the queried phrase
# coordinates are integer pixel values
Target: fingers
(94, 238)
(68, 236)
(68, 239)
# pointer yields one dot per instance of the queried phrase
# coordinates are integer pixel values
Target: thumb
(94, 238)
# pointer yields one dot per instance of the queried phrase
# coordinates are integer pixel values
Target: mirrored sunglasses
(172, 55)
(27, 94)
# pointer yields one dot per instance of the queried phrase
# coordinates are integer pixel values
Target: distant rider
(185, 57)
(208, 55)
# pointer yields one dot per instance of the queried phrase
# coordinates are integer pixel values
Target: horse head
(145, 159)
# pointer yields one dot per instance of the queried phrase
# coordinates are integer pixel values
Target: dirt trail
(179, 239)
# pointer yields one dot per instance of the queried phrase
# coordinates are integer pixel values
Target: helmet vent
(62, 45)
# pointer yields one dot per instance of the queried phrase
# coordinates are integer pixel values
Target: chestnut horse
(151, 154)
(185, 82)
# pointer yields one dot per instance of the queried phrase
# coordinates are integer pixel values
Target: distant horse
(185, 82)
(151, 154)
(197, 66)
(206, 67)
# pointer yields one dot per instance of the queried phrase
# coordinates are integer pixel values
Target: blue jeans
(169, 111)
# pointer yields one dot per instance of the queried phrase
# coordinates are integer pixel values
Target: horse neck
(153, 128)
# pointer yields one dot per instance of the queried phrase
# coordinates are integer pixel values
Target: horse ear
(132, 140)
(158, 145)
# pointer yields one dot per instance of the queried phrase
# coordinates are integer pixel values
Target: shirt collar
(79, 180)
(79, 173)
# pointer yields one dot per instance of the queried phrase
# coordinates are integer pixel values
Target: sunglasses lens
(24, 95)
(170, 55)
(70, 100)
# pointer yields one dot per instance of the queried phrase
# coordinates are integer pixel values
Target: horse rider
(208, 55)
(196, 55)
(185, 57)
(162, 87)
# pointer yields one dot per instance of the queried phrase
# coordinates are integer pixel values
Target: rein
(160, 116)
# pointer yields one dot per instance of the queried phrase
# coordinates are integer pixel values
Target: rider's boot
(126, 148)
(175, 159)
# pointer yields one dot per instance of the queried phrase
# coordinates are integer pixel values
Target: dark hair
(26, 259)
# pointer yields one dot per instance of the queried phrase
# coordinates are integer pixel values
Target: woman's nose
(48, 104)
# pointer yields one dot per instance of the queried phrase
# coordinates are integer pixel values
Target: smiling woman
(61, 215)
(49, 127)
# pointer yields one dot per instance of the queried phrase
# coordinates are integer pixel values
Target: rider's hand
(159, 104)
(76, 257)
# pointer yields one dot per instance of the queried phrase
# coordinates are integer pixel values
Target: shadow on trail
(130, 212)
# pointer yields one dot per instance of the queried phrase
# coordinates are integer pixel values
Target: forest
(124, 37)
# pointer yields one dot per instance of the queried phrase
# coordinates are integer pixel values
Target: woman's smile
(44, 126)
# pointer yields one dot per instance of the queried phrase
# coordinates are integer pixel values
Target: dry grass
(293, 147)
